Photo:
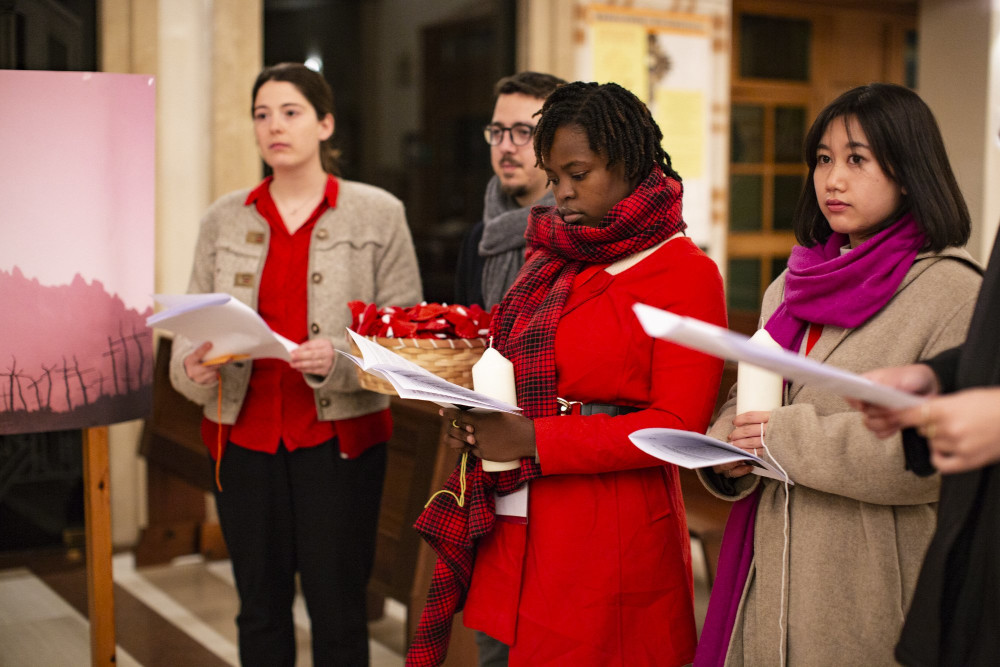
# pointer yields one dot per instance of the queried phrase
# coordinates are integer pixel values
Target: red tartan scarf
(524, 331)
(452, 531)
(524, 328)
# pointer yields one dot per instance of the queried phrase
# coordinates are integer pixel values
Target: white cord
(784, 558)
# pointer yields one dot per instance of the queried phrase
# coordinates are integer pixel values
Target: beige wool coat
(859, 523)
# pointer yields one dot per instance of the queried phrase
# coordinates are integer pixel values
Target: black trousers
(492, 652)
(312, 512)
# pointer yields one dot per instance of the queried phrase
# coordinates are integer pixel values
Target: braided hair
(617, 123)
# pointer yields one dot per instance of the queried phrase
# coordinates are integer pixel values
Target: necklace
(290, 210)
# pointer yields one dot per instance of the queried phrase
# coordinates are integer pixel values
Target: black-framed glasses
(520, 133)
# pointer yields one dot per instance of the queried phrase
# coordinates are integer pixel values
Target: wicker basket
(449, 358)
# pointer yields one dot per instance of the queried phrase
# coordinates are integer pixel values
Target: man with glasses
(493, 251)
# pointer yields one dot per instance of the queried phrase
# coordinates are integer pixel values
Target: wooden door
(462, 59)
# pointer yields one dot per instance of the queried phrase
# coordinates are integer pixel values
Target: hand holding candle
(758, 390)
(493, 375)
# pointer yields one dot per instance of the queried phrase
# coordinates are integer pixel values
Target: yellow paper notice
(681, 116)
(621, 55)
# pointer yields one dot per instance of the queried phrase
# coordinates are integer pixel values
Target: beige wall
(959, 77)
(544, 29)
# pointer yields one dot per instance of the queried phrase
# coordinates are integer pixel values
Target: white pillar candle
(493, 375)
(758, 389)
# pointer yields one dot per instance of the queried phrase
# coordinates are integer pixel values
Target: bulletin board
(671, 61)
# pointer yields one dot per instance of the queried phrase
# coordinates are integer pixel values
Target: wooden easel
(97, 510)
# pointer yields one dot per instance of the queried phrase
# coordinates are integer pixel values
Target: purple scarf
(822, 286)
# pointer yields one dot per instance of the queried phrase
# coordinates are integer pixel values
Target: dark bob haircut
(617, 123)
(905, 140)
(317, 92)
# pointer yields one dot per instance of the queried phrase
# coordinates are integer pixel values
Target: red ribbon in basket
(425, 320)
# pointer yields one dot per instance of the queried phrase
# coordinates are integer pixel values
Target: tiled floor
(38, 627)
(174, 614)
(182, 613)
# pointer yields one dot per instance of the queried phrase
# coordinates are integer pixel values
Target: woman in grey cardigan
(822, 572)
(299, 447)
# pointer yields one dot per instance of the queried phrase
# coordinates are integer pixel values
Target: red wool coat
(601, 574)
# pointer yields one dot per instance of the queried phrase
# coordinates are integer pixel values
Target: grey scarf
(502, 245)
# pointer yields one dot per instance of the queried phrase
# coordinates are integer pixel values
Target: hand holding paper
(196, 368)
(916, 379)
(314, 357)
(693, 450)
(234, 328)
(723, 343)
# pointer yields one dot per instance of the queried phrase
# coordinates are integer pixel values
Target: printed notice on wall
(667, 60)
(681, 115)
(621, 56)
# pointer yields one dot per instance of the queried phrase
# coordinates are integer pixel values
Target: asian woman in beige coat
(878, 279)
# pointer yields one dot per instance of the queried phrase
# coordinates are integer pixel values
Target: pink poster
(76, 248)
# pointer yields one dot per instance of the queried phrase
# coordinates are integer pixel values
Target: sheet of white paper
(412, 381)
(694, 450)
(231, 325)
(374, 354)
(513, 504)
(723, 343)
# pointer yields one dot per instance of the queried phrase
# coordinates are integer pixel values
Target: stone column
(204, 55)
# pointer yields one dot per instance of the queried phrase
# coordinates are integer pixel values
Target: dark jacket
(469, 271)
(955, 615)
